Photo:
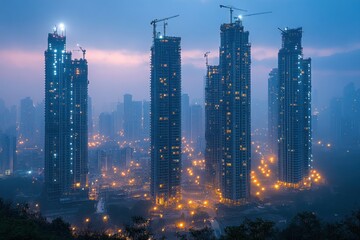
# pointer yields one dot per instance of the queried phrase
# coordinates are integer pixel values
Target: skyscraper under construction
(234, 67)
(294, 119)
(66, 94)
(165, 119)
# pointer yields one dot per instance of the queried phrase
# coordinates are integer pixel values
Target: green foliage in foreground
(18, 222)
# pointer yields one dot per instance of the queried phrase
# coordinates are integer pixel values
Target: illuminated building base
(232, 202)
(164, 201)
(305, 183)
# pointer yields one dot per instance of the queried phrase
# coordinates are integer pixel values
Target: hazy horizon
(117, 36)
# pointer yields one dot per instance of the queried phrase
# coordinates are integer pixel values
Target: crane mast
(206, 56)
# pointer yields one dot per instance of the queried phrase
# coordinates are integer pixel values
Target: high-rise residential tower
(79, 122)
(273, 105)
(165, 119)
(212, 126)
(294, 133)
(66, 86)
(234, 67)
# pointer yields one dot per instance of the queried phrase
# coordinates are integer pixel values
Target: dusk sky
(117, 36)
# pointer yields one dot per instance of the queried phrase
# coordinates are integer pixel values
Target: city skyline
(178, 118)
(122, 50)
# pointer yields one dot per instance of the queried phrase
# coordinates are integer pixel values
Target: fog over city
(180, 119)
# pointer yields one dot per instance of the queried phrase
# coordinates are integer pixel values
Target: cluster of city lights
(187, 148)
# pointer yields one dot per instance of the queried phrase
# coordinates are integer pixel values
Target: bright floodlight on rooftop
(61, 27)
(240, 17)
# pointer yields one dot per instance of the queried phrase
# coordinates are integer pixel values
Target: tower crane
(206, 56)
(252, 14)
(81, 49)
(232, 10)
(155, 21)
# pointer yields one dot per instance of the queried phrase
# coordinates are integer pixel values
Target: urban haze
(180, 119)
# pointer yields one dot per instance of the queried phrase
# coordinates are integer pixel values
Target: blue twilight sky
(117, 35)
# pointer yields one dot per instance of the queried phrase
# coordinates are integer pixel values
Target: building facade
(165, 119)
(66, 86)
(294, 133)
(212, 126)
(273, 105)
(234, 67)
(185, 116)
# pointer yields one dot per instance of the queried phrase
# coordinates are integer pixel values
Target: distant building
(165, 119)
(213, 126)
(90, 117)
(27, 120)
(136, 120)
(294, 117)
(234, 68)
(40, 124)
(132, 118)
(185, 116)
(66, 96)
(197, 123)
(7, 119)
(106, 126)
(7, 153)
(126, 156)
(273, 106)
(336, 113)
(146, 119)
(345, 119)
(128, 125)
(118, 119)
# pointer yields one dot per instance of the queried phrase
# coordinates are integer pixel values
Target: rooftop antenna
(62, 29)
(232, 10)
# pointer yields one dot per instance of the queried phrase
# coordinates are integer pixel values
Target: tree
(251, 229)
(139, 229)
(61, 228)
(234, 233)
(335, 231)
(202, 234)
(352, 225)
(304, 226)
(259, 229)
